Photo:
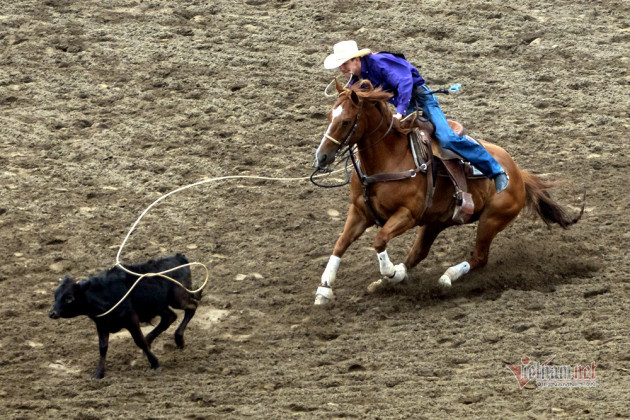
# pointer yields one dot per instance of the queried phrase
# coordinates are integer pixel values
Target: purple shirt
(394, 74)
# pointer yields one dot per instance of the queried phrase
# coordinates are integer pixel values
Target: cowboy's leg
(469, 150)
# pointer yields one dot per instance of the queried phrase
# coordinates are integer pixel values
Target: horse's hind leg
(422, 245)
(354, 227)
(489, 226)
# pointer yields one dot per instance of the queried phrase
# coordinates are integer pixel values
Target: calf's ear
(66, 279)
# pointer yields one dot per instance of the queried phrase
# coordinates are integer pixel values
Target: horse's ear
(366, 85)
(354, 97)
(338, 86)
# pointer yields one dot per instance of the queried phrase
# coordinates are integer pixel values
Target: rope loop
(163, 273)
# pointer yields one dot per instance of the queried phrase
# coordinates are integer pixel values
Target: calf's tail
(540, 202)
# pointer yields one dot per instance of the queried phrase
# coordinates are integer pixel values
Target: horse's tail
(540, 202)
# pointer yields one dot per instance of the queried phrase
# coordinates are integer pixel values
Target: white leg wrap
(325, 292)
(323, 296)
(387, 268)
(400, 274)
(453, 273)
(330, 273)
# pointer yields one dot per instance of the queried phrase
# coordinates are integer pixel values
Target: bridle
(352, 130)
(351, 150)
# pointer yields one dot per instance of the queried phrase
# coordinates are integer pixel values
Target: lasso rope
(328, 95)
(163, 273)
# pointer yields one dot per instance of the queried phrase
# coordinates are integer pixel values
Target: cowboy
(396, 75)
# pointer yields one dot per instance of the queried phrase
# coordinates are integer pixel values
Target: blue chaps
(469, 150)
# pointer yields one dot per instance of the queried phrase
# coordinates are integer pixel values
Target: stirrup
(464, 206)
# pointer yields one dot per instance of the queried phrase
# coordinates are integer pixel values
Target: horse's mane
(365, 90)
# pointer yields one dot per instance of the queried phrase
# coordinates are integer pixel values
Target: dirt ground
(107, 105)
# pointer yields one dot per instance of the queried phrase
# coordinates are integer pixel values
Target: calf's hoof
(154, 362)
(179, 341)
(99, 374)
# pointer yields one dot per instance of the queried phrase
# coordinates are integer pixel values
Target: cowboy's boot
(501, 181)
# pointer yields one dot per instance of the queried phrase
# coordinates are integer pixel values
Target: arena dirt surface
(107, 105)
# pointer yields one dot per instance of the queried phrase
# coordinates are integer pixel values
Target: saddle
(444, 162)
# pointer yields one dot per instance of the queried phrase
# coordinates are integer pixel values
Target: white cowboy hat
(342, 52)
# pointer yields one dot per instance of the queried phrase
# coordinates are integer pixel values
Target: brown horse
(360, 119)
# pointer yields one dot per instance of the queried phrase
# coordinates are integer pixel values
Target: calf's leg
(179, 333)
(138, 338)
(166, 319)
(103, 342)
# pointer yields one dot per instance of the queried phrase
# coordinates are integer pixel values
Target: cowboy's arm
(401, 80)
(405, 88)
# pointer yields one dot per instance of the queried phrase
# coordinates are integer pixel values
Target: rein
(317, 171)
(391, 124)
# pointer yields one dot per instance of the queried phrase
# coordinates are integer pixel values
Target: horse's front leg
(398, 223)
(356, 223)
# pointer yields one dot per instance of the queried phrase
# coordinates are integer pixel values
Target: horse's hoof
(321, 300)
(323, 296)
(445, 281)
(400, 273)
(378, 285)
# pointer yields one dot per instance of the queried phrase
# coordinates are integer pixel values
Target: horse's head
(343, 126)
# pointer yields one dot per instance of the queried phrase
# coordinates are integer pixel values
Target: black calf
(151, 297)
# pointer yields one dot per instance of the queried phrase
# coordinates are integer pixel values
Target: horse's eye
(345, 123)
